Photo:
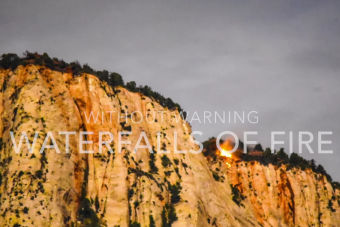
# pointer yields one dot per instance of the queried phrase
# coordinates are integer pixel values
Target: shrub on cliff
(165, 161)
(237, 196)
(134, 224)
(152, 165)
(115, 79)
(175, 191)
(86, 214)
(168, 215)
(147, 91)
(10, 61)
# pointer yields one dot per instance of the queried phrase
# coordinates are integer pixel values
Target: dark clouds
(280, 58)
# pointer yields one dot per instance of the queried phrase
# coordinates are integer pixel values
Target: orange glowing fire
(225, 153)
(226, 147)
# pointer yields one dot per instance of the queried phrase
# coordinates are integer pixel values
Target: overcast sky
(280, 58)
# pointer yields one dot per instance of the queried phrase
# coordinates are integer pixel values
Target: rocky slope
(128, 188)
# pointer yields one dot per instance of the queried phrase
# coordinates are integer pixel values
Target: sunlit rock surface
(128, 188)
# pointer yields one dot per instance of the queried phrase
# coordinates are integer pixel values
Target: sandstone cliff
(128, 188)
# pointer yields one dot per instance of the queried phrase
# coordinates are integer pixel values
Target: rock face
(130, 188)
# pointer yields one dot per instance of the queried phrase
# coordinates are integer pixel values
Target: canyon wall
(131, 188)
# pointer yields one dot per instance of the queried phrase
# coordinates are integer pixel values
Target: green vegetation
(165, 161)
(140, 173)
(147, 91)
(153, 167)
(237, 196)
(336, 185)
(216, 176)
(152, 221)
(38, 174)
(167, 173)
(96, 203)
(292, 161)
(258, 147)
(175, 190)
(209, 148)
(168, 215)
(134, 224)
(25, 210)
(330, 206)
(130, 193)
(87, 215)
(12, 61)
